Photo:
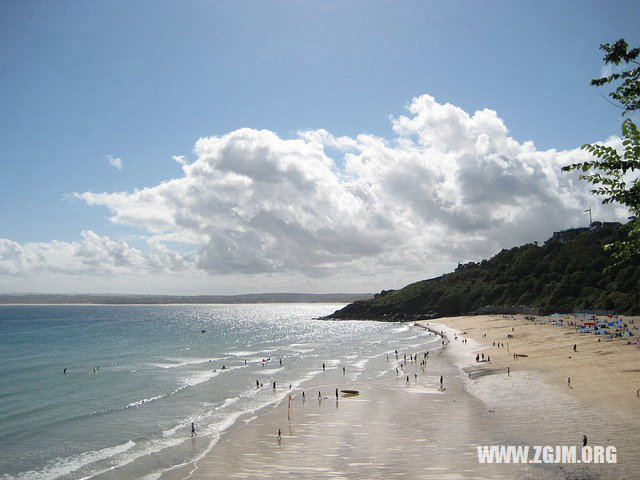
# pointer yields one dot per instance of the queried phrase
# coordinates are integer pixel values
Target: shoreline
(481, 404)
(348, 437)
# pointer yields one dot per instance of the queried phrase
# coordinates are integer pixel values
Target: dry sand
(392, 430)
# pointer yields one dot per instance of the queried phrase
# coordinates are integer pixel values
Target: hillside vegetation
(554, 277)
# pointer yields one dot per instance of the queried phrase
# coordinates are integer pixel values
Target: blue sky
(144, 81)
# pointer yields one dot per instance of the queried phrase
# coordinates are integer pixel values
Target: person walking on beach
(303, 397)
(508, 371)
(584, 440)
(569, 382)
(274, 384)
(575, 347)
(257, 383)
(323, 367)
(193, 430)
(336, 394)
(441, 382)
(408, 381)
(344, 371)
(279, 438)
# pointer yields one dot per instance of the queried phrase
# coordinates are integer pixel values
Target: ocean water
(137, 376)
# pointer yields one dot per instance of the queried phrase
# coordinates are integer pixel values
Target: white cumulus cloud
(115, 162)
(450, 186)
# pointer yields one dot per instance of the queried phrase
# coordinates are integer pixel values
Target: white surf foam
(183, 362)
(62, 467)
(400, 329)
(269, 371)
(196, 378)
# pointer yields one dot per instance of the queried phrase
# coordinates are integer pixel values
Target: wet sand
(388, 431)
(392, 430)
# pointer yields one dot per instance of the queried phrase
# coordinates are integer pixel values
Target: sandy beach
(601, 372)
(415, 430)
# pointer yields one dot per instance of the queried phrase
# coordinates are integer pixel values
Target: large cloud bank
(92, 254)
(449, 187)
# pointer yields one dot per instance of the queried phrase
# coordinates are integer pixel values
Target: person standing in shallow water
(193, 430)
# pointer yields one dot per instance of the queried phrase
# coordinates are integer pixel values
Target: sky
(292, 146)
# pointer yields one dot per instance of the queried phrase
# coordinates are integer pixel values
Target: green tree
(614, 174)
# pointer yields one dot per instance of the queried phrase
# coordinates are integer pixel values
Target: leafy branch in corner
(628, 92)
(614, 175)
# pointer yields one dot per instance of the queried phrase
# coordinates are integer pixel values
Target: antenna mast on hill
(589, 210)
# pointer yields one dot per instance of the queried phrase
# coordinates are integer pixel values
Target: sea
(91, 391)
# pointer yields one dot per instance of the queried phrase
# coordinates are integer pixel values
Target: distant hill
(36, 298)
(563, 275)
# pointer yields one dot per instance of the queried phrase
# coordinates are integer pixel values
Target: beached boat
(351, 392)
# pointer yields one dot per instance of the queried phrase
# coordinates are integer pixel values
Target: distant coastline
(125, 299)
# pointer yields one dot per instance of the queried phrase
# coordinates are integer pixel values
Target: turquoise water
(158, 372)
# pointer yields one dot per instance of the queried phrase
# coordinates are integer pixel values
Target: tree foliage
(614, 174)
(628, 92)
